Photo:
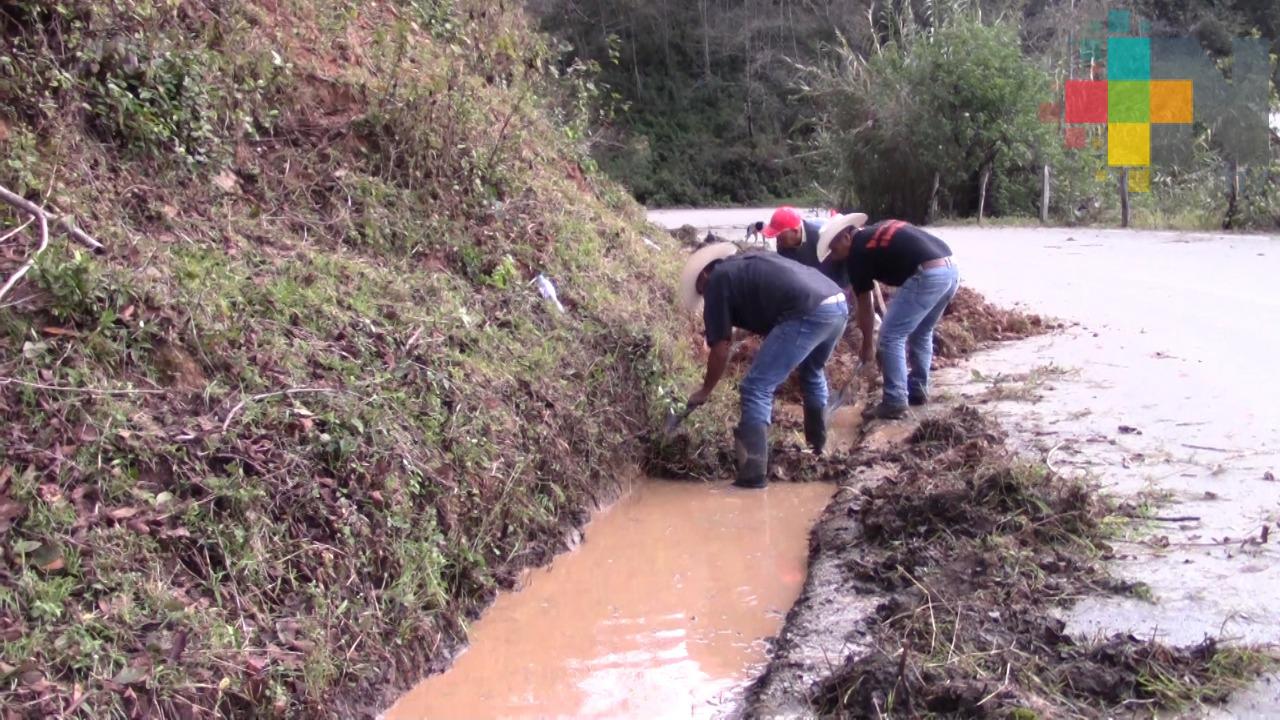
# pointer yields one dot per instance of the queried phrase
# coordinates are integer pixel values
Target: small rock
(227, 181)
(1129, 430)
(1269, 476)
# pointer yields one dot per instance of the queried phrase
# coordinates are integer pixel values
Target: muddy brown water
(663, 612)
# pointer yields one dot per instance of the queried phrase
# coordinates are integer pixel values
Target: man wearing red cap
(797, 240)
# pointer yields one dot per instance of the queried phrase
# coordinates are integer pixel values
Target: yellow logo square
(1140, 180)
(1128, 144)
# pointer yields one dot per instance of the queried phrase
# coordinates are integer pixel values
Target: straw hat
(688, 295)
(833, 227)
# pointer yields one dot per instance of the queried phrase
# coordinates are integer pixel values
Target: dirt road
(1164, 391)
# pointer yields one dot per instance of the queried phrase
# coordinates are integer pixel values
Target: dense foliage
(711, 102)
(925, 120)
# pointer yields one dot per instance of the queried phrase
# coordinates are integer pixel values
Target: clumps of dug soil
(971, 322)
(972, 550)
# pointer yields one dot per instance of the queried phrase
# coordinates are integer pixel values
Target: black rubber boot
(752, 445)
(815, 428)
(884, 411)
(919, 397)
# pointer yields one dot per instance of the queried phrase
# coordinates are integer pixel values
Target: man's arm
(717, 361)
(865, 316)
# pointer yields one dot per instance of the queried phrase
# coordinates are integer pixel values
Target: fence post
(1233, 194)
(984, 178)
(1044, 198)
(1124, 197)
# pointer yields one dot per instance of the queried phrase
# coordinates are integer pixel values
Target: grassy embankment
(266, 455)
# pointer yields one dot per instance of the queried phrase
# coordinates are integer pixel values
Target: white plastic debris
(652, 244)
(547, 290)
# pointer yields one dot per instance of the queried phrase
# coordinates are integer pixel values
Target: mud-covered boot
(752, 445)
(884, 411)
(815, 428)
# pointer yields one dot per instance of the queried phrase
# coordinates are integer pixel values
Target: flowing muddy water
(663, 612)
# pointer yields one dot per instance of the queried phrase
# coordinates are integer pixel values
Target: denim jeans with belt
(805, 343)
(906, 335)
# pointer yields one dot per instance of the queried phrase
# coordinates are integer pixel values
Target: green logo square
(1128, 102)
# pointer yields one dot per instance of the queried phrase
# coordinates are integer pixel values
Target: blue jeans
(906, 335)
(805, 343)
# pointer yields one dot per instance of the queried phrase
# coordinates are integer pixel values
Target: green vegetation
(936, 115)
(267, 455)
(749, 101)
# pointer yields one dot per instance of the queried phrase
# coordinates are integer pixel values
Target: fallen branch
(997, 691)
(65, 222)
(1210, 448)
(67, 388)
(17, 230)
(17, 275)
(902, 676)
(1048, 459)
(42, 219)
(226, 423)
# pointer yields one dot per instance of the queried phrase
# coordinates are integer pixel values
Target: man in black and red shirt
(898, 254)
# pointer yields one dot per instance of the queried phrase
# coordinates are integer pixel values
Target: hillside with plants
(307, 412)
(749, 101)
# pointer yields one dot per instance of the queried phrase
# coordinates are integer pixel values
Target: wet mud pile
(682, 457)
(958, 555)
(971, 322)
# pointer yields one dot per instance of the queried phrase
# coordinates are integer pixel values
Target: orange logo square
(1172, 102)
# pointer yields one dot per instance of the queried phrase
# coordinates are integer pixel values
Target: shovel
(843, 396)
(675, 418)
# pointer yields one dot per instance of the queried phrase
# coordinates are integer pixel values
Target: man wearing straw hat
(800, 312)
(919, 265)
(797, 239)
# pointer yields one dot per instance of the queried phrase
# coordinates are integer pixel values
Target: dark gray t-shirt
(757, 291)
(807, 254)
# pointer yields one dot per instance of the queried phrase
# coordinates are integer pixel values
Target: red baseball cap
(784, 218)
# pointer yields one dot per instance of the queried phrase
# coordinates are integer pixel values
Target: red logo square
(1086, 101)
